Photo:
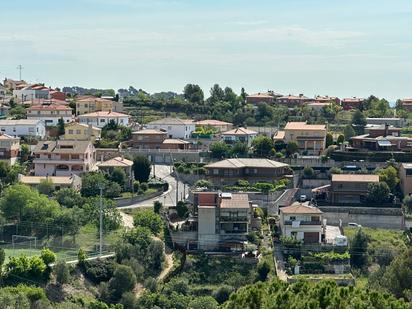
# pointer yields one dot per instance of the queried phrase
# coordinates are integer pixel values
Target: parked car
(353, 224)
(303, 198)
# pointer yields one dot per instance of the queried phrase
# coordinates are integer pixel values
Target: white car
(353, 224)
(303, 198)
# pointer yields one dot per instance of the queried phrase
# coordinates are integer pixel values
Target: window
(78, 131)
(102, 120)
(70, 131)
(14, 129)
(292, 218)
(75, 157)
(215, 171)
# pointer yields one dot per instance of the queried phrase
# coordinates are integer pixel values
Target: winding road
(168, 198)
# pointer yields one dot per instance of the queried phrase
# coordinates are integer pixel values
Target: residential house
(262, 97)
(90, 104)
(318, 106)
(326, 99)
(50, 114)
(219, 126)
(23, 127)
(352, 103)
(396, 122)
(220, 222)
(405, 176)
(9, 148)
(31, 92)
(57, 95)
(100, 119)
(229, 171)
(302, 222)
(59, 182)
(155, 139)
(64, 158)
(382, 138)
(118, 162)
(406, 104)
(11, 84)
(79, 131)
(175, 127)
(310, 138)
(292, 100)
(239, 135)
(350, 188)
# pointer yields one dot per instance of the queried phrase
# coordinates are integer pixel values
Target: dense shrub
(99, 270)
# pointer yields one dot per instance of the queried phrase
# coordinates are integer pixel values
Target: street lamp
(101, 187)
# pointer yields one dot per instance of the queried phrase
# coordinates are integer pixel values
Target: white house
(302, 222)
(241, 135)
(23, 127)
(31, 92)
(102, 118)
(50, 113)
(175, 127)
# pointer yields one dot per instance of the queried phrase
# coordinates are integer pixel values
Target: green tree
(407, 202)
(193, 93)
(68, 197)
(157, 207)
(378, 192)
(359, 250)
(91, 183)
(292, 148)
(239, 149)
(219, 149)
(60, 127)
(203, 302)
(182, 209)
(341, 139)
(329, 139)
(263, 270)
(46, 187)
(349, 132)
(26, 204)
(308, 172)
(397, 277)
(62, 272)
(262, 146)
(389, 175)
(141, 168)
(112, 190)
(118, 175)
(123, 280)
(47, 256)
(222, 293)
(147, 218)
(358, 122)
(2, 257)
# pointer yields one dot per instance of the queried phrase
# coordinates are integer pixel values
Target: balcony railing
(289, 222)
(232, 219)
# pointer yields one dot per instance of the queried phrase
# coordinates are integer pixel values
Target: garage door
(311, 237)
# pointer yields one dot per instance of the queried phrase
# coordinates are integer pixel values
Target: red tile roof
(50, 107)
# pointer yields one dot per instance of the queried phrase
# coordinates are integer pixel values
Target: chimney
(386, 129)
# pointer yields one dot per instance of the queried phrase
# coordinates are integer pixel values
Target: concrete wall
(388, 218)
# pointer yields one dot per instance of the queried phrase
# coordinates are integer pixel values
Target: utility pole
(101, 220)
(20, 68)
(177, 190)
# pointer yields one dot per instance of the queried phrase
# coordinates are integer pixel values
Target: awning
(384, 143)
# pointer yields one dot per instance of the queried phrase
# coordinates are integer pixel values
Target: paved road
(168, 198)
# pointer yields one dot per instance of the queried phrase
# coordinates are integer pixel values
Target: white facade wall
(31, 94)
(18, 129)
(183, 131)
(207, 237)
(51, 120)
(100, 122)
(299, 229)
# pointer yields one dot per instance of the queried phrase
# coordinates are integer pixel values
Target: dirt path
(127, 220)
(168, 268)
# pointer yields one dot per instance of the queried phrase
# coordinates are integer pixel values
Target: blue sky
(334, 47)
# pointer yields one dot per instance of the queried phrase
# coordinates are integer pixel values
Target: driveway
(168, 198)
